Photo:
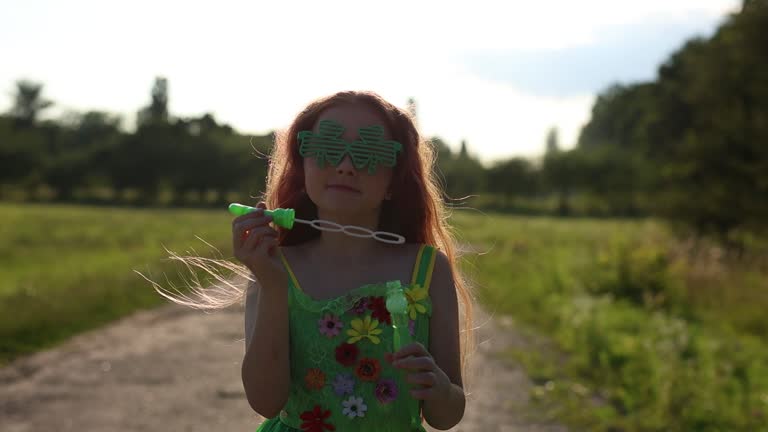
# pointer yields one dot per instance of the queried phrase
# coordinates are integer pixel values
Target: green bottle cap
(281, 217)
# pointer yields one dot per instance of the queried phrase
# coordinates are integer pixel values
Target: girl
(319, 353)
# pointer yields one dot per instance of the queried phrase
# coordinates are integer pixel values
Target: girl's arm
(266, 364)
(445, 409)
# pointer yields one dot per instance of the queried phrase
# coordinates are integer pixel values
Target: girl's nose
(346, 167)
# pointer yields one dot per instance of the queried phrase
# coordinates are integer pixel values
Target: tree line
(690, 147)
(88, 157)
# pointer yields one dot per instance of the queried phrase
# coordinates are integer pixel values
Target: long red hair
(416, 209)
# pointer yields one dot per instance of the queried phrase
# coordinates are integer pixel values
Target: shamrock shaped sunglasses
(370, 149)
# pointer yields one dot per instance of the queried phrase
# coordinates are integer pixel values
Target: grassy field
(641, 333)
(637, 332)
(65, 269)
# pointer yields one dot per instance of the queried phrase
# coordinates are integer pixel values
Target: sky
(497, 74)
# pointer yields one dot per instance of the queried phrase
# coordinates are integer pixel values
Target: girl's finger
(241, 225)
(255, 236)
(247, 216)
(251, 222)
(270, 244)
(427, 379)
(412, 349)
(267, 241)
(242, 229)
(415, 363)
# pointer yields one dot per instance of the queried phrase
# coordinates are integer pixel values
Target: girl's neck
(340, 246)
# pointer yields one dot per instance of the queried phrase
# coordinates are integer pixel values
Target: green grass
(638, 333)
(646, 336)
(66, 269)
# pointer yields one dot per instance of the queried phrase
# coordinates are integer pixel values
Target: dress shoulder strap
(422, 268)
(293, 284)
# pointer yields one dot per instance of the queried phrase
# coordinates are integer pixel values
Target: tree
(22, 151)
(693, 141)
(515, 177)
(553, 144)
(157, 111)
(561, 173)
(443, 153)
(28, 102)
(464, 174)
(79, 152)
(411, 107)
(463, 153)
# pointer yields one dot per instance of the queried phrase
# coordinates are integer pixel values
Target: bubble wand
(285, 218)
(397, 305)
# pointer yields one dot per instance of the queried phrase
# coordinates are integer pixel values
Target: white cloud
(496, 119)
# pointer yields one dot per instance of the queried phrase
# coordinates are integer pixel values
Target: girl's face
(343, 191)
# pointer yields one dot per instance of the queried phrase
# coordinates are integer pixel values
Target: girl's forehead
(353, 117)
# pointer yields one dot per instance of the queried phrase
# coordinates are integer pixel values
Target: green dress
(341, 374)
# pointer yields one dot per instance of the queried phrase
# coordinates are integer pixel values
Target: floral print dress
(341, 351)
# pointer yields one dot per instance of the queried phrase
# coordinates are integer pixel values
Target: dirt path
(175, 369)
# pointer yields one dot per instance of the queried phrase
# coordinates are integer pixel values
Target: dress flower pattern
(360, 306)
(346, 354)
(379, 307)
(344, 374)
(329, 325)
(364, 328)
(359, 371)
(315, 379)
(354, 407)
(416, 296)
(314, 421)
(386, 390)
(368, 369)
(344, 384)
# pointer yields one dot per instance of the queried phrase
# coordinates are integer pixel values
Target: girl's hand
(422, 371)
(255, 245)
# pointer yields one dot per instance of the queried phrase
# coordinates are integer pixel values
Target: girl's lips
(343, 188)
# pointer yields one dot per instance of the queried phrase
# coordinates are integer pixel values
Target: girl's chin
(339, 208)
